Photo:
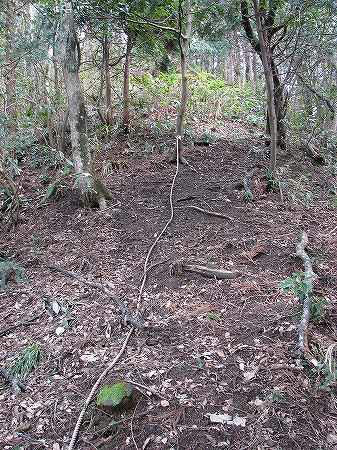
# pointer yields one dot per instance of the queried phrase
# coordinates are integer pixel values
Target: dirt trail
(212, 347)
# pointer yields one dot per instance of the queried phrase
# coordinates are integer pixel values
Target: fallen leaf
(332, 438)
(89, 357)
(227, 419)
(56, 307)
(59, 331)
(165, 403)
(220, 353)
(220, 418)
(249, 375)
(238, 421)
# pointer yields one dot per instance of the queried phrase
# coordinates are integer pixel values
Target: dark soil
(209, 346)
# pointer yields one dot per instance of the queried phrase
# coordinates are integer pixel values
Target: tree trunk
(267, 68)
(281, 105)
(254, 69)
(184, 39)
(10, 75)
(126, 86)
(92, 192)
(230, 65)
(108, 96)
(266, 33)
(248, 65)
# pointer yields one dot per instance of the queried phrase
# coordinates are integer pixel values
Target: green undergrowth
(210, 97)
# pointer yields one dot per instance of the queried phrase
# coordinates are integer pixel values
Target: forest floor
(214, 350)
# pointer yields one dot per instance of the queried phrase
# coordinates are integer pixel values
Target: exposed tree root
(309, 276)
(144, 278)
(94, 389)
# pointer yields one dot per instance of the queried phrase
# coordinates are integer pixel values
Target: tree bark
(126, 86)
(10, 75)
(279, 97)
(254, 69)
(184, 39)
(92, 192)
(267, 68)
(248, 65)
(108, 90)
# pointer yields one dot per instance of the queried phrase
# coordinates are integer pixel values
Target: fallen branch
(309, 276)
(178, 267)
(209, 213)
(136, 322)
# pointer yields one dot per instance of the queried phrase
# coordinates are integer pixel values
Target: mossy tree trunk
(91, 190)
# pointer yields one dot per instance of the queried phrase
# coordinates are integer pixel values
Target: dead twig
(179, 267)
(309, 277)
(209, 213)
(146, 388)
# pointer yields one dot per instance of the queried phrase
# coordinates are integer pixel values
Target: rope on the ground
(149, 253)
(145, 272)
(93, 390)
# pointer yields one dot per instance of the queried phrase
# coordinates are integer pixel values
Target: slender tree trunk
(267, 67)
(248, 65)
(254, 69)
(264, 39)
(126, 86)
(108, 95)
(230, 65)
(184, 46)
(92, 191)
(10, 75)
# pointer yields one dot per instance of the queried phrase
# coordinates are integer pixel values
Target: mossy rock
(116, 396)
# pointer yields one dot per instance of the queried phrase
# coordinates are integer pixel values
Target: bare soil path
(211, 347)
